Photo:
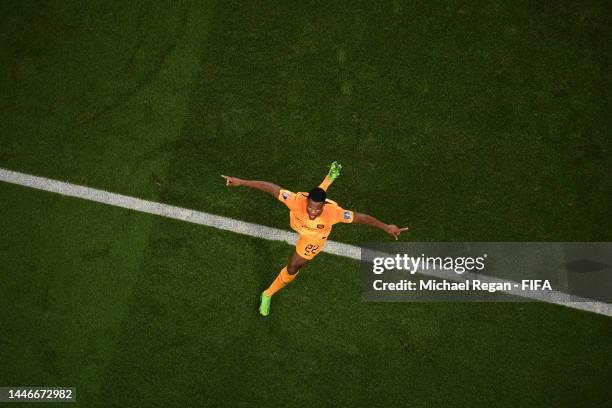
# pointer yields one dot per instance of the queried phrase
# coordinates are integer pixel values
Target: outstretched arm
(269, 188)
(390, 229)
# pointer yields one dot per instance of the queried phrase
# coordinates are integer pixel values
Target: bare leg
(295, 263)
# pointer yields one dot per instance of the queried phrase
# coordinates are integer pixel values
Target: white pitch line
(250, 229)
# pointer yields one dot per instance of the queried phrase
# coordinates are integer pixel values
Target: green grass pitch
(467, 121)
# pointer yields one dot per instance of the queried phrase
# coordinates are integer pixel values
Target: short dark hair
(317, 195)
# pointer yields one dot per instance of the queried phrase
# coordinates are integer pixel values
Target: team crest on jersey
(285, 195)
(320, 226)
(347, 215)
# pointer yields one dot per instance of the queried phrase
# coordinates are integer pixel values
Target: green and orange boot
(264, 307)
(334, 171)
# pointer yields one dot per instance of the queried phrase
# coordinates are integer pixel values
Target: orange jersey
(321, 226)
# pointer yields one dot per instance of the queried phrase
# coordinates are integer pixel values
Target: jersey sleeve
(341, 215)
(287, 197)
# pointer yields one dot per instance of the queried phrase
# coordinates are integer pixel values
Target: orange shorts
(309, 247)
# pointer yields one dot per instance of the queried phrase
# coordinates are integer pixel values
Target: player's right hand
(232, 181)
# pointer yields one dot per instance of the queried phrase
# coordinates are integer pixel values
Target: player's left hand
(395, 231)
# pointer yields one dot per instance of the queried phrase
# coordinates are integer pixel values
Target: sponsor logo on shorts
(285, 195)
(347, 215)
